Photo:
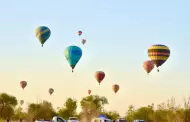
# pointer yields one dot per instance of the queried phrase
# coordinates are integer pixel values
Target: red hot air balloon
(23, 84)
(83, 41)
(148, 66)
(99, 75)
(115, 88)
(89, 92)
(79, 33)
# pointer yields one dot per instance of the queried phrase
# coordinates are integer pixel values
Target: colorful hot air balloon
(158, 54)
(73, 55)
(43, 33)
(115, 88)
(21, 102)
(83, 41)
(148, 66)
(79, 33)
(89, 92)
(99, 75)
(23, 84)
(51, 90)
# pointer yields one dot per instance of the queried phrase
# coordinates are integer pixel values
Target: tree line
(92, 106)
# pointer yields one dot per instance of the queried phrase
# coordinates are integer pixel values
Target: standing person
(33, 120)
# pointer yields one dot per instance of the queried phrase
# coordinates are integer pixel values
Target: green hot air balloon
(43, 33)
(73, 55)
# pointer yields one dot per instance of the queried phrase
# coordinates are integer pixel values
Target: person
(20, 120)
(33, 119)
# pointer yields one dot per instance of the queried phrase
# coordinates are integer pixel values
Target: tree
(69, 108)
(113, 115)
(7, 103)
(19, 114)
(92, 105)
(42, 110)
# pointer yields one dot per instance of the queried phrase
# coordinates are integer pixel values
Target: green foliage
(92, 106)
(69, 109)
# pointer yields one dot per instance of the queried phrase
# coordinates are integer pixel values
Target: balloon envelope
(89, 92)
(83, 41)
(23, 84)
(51, 90)
(43, 33)
(158, 54)
(79, 33)
(148, 66)
(99, 75)
(73, 55)
(21, 102)
(115, 88)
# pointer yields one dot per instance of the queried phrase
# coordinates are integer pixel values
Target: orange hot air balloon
(51, 90)
(23, 84)
(79, 33)
(148, 66)
(115, 88)
(89, 92)
(99, 75)
(83, 41)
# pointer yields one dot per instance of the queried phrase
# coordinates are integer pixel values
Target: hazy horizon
(118, 34)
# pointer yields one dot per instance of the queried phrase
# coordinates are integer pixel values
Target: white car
(139, 121)
(73, 119)
(101, 120)
(58, 119)
(55, 119)
(121, 120)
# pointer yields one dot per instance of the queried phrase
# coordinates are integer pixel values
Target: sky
(118, 34)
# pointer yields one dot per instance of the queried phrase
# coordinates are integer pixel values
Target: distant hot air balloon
(99, 75)
(89, 92)
(21, 102)
(158, 54)
(23, 84)
(148, 66)
(79, 33)
(115, 88)
(51, 90)
(73, 55)
(43, 33)
(83, 41)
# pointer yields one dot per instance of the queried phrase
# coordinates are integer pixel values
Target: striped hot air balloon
(43, 33)
(158, 54)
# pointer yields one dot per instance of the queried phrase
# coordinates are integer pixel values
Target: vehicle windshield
(122, 120)
(107, 120)
(73, 118)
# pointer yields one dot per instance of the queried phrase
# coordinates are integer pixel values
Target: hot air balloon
(79, 33)
(115, 88)
(158, 54)
(99, 75)
(23, 84)
(148, 66)
(21, 102)
(89, 92)
(43, 33)
(73, 55)
(51, 90)
(83, 41)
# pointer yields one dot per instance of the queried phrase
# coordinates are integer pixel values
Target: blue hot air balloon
(43, 33)
(73, 55)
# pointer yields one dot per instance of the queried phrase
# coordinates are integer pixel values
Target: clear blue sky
(118, 33)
